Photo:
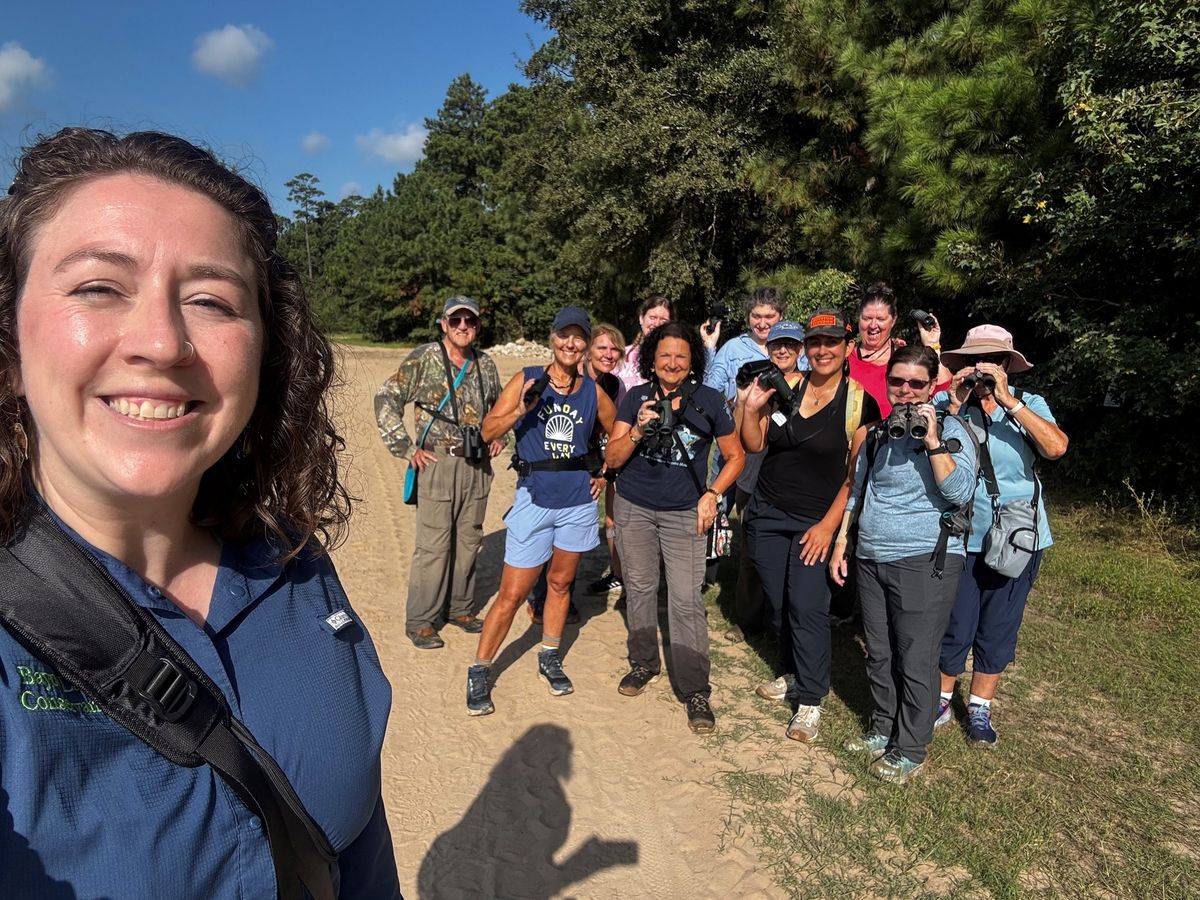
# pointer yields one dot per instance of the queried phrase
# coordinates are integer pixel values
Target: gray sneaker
(479, 692)
(896, 768)
(550, 670)
(782, 688)
(805, 724)
(873, 743)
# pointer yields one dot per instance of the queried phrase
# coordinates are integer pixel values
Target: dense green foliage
(1028, 162)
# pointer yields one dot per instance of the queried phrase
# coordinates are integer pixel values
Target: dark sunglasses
(916, 384)
(470, 321)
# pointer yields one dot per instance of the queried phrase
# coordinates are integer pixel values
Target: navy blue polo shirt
(87, 810)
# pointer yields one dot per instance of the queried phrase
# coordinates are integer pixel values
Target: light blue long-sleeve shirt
(1012, 459)
(903, 505)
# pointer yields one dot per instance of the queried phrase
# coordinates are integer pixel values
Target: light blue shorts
(535, 532)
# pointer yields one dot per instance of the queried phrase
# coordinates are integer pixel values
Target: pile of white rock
(521, 347)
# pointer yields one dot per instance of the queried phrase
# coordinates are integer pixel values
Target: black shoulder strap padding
(65, 609)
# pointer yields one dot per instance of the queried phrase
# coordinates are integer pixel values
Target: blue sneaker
(945, 713)
(875, 744)
(479, 692)
(896, 768)
(550, 670)
(980, 732)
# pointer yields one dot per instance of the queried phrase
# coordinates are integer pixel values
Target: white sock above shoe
(947, 695)
(978, 701)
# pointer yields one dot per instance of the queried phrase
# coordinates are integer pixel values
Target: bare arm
(508, 409)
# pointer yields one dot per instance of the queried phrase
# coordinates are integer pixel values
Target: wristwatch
(716, 496)
(940, 448)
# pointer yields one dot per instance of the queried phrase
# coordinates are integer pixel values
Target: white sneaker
(805, 724)
(782, 688)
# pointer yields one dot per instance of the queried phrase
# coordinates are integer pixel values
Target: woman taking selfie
(553, 411)
(166, 431)
(663, 511)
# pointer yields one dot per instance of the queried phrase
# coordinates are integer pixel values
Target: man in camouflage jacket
(452, 490)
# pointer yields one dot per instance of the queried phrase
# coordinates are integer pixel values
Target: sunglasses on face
(917, 384)
(469, 321)
(783, 346)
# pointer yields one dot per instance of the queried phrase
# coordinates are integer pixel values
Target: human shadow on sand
(506, 842)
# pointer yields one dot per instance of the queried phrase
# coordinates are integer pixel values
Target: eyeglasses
(469, 321)
(783, 345)
(917, 384)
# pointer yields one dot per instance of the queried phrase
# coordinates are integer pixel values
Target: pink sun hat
(982, 340)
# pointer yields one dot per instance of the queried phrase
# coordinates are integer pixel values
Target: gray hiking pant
(644, 536)
(451, 502)
(905, 613)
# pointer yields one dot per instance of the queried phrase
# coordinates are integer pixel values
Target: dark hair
(280, 479)
(765, 296)
(914, 355)
(878, 292)
(673, 329)
(645, 306)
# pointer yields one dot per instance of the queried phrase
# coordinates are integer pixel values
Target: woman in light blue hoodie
(909, 492)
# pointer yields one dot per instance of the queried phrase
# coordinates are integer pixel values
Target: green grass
(1094, 789)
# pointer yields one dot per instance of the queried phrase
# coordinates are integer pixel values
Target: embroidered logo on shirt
(338, 620)
(49, 692)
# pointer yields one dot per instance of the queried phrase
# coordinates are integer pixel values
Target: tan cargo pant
(452, 498)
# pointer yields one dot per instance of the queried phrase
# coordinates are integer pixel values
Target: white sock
(978, 701)
(947, 695)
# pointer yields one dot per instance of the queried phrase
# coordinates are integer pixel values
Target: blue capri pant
(986, 617)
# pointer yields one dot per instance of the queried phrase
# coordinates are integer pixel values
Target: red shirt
(873, 378)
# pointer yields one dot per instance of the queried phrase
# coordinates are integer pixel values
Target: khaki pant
(451, 501)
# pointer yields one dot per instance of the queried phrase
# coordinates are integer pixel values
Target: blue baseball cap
(786, 330)
(457, 302)
(573, 315)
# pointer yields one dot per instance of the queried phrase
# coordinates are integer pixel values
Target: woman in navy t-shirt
(553, 411)
(663, 510)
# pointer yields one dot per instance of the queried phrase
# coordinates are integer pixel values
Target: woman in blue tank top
(553, 411)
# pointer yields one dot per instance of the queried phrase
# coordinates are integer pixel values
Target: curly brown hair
(280, 479)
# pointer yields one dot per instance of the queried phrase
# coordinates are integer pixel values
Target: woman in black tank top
(797, 507)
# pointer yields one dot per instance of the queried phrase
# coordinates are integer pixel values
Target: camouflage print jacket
(421, 379)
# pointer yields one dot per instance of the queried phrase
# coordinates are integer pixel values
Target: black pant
(798, 596)
(905, 612)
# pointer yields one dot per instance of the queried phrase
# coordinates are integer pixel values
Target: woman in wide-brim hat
(989, 606)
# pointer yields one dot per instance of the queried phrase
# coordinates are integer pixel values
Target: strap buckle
(169, 691)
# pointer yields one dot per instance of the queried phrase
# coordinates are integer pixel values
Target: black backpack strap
(67, 610)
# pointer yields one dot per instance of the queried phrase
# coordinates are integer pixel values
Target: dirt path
(593, 795)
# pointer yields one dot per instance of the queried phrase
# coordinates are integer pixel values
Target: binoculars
(716, 313)
(474, 447)
(658, 431)
(532, 395)
(924, 319)
(768, 376)
(906, 419)
(979, 378)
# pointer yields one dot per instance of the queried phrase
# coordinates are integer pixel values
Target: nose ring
(191, 351)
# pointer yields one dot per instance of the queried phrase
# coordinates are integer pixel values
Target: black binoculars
(532, 395)
(658, 432)
(906, 419)
(473, 444)
(983, 378)
(768, 376)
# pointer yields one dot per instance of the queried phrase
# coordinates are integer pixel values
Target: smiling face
(875, 325)
(653, 317)
(909, 383)
(461, 328)
(672, 362)
(569, 347)
(825, 354)
(760, 320)
(141, 341)
(605, 354)
(784, 352)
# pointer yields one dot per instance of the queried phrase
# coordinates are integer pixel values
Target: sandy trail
(592, 795)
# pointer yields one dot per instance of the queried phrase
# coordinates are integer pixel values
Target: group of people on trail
(883, 474)
(172, 628)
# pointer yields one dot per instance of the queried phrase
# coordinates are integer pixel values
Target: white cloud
(314, 142)
(350, 187)
(231, 53)
(18, 68)
(401, 147)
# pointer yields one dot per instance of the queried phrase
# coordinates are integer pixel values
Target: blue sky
(337, 89)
